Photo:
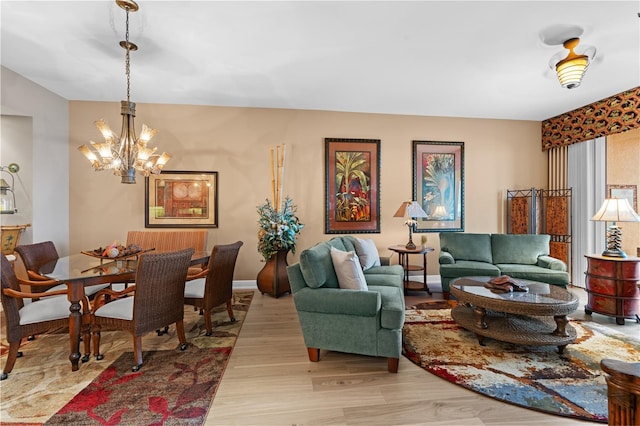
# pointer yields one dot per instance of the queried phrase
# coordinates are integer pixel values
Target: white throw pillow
(348, 270)
(367, 253)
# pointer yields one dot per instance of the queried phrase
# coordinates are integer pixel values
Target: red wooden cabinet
(612, 287)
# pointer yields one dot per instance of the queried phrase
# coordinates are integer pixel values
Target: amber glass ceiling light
(571, 69)
(127, 153)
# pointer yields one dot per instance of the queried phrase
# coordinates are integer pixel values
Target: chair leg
(392, 364)
(86, 338)
(137, 352)
(11, 359)
(314, 354)
(445, 294)
(207, 323)
(230, 311)
(181, 335)
(95, 331)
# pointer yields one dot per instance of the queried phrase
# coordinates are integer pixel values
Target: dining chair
(49, 312)
(35, 256)
(155, 301)
(214, 286)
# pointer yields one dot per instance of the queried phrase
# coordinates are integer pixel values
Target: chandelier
(127, 153)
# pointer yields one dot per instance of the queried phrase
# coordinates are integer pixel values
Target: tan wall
(499, 155)
(623, 168)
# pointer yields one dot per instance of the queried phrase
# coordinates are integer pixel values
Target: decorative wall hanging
(615, 114)
(179, 199)
(352, 186)
(438, 185)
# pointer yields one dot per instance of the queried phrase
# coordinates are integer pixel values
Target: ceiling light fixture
(126, 154)
(571, 69)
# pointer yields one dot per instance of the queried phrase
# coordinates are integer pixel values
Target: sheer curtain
(586, 175)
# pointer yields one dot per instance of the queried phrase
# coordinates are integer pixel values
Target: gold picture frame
(181, 199)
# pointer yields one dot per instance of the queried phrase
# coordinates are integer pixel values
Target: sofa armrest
(338, 301)
(551, 263)
(446, 258)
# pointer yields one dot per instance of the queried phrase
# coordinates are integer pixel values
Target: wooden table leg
(75, 293)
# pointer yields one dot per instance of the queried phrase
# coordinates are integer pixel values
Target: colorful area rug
(172, 387)
(570, 385)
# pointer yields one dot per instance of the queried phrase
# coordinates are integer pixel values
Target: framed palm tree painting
(438, 185)
(352, 186)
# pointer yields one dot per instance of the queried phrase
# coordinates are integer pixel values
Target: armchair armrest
(109, 292)
(446, 258)
(551, 263)
(36, 277)
(338, 301)
(27, 295)
(39, 283)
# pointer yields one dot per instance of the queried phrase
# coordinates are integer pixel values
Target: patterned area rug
(172, 387)
(570, 384)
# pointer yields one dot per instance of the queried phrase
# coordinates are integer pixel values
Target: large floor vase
(273, 279)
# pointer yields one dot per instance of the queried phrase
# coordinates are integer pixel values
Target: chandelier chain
(127, 57)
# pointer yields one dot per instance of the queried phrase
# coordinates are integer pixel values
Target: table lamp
(412, 210)
(615, 210)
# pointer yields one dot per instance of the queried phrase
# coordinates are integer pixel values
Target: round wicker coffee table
(537, 317)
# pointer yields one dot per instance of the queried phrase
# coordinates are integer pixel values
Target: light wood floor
(270, 381)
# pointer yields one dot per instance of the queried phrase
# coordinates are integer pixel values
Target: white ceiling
(438, 58)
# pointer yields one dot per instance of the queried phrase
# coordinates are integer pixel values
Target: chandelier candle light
(412, 210)
(615, 210)
(127, 153)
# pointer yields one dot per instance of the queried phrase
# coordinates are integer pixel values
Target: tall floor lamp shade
(615, 210)
(411, 210)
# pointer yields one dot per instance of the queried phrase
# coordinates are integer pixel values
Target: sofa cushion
(392, 309)
(367, 253)
(317, 267)
(348, 269)
(466, 246)
(535, 273)
(466, 268)
(519, 249)
(348, 242)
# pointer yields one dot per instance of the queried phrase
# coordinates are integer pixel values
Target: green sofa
(523, 256)
(366, 322)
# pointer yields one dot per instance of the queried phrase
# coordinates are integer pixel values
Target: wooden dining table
(78, 271)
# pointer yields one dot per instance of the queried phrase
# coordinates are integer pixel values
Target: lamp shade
(616, 210)
(410, 209)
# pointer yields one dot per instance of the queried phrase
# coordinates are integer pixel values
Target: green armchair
(365, 322)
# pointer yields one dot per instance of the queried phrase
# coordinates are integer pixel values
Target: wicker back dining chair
(26, 318)
(156, 302)
(214, 286)
(34, 257)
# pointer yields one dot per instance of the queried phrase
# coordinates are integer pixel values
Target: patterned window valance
(615, 114)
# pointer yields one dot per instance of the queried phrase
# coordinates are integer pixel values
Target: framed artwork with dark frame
(352, 186)
(438, 185)
(630, 192)
(181, 199)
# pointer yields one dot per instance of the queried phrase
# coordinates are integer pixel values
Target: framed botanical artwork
(438, 185)
(352, 186)
(630, 192)
(181, 199)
